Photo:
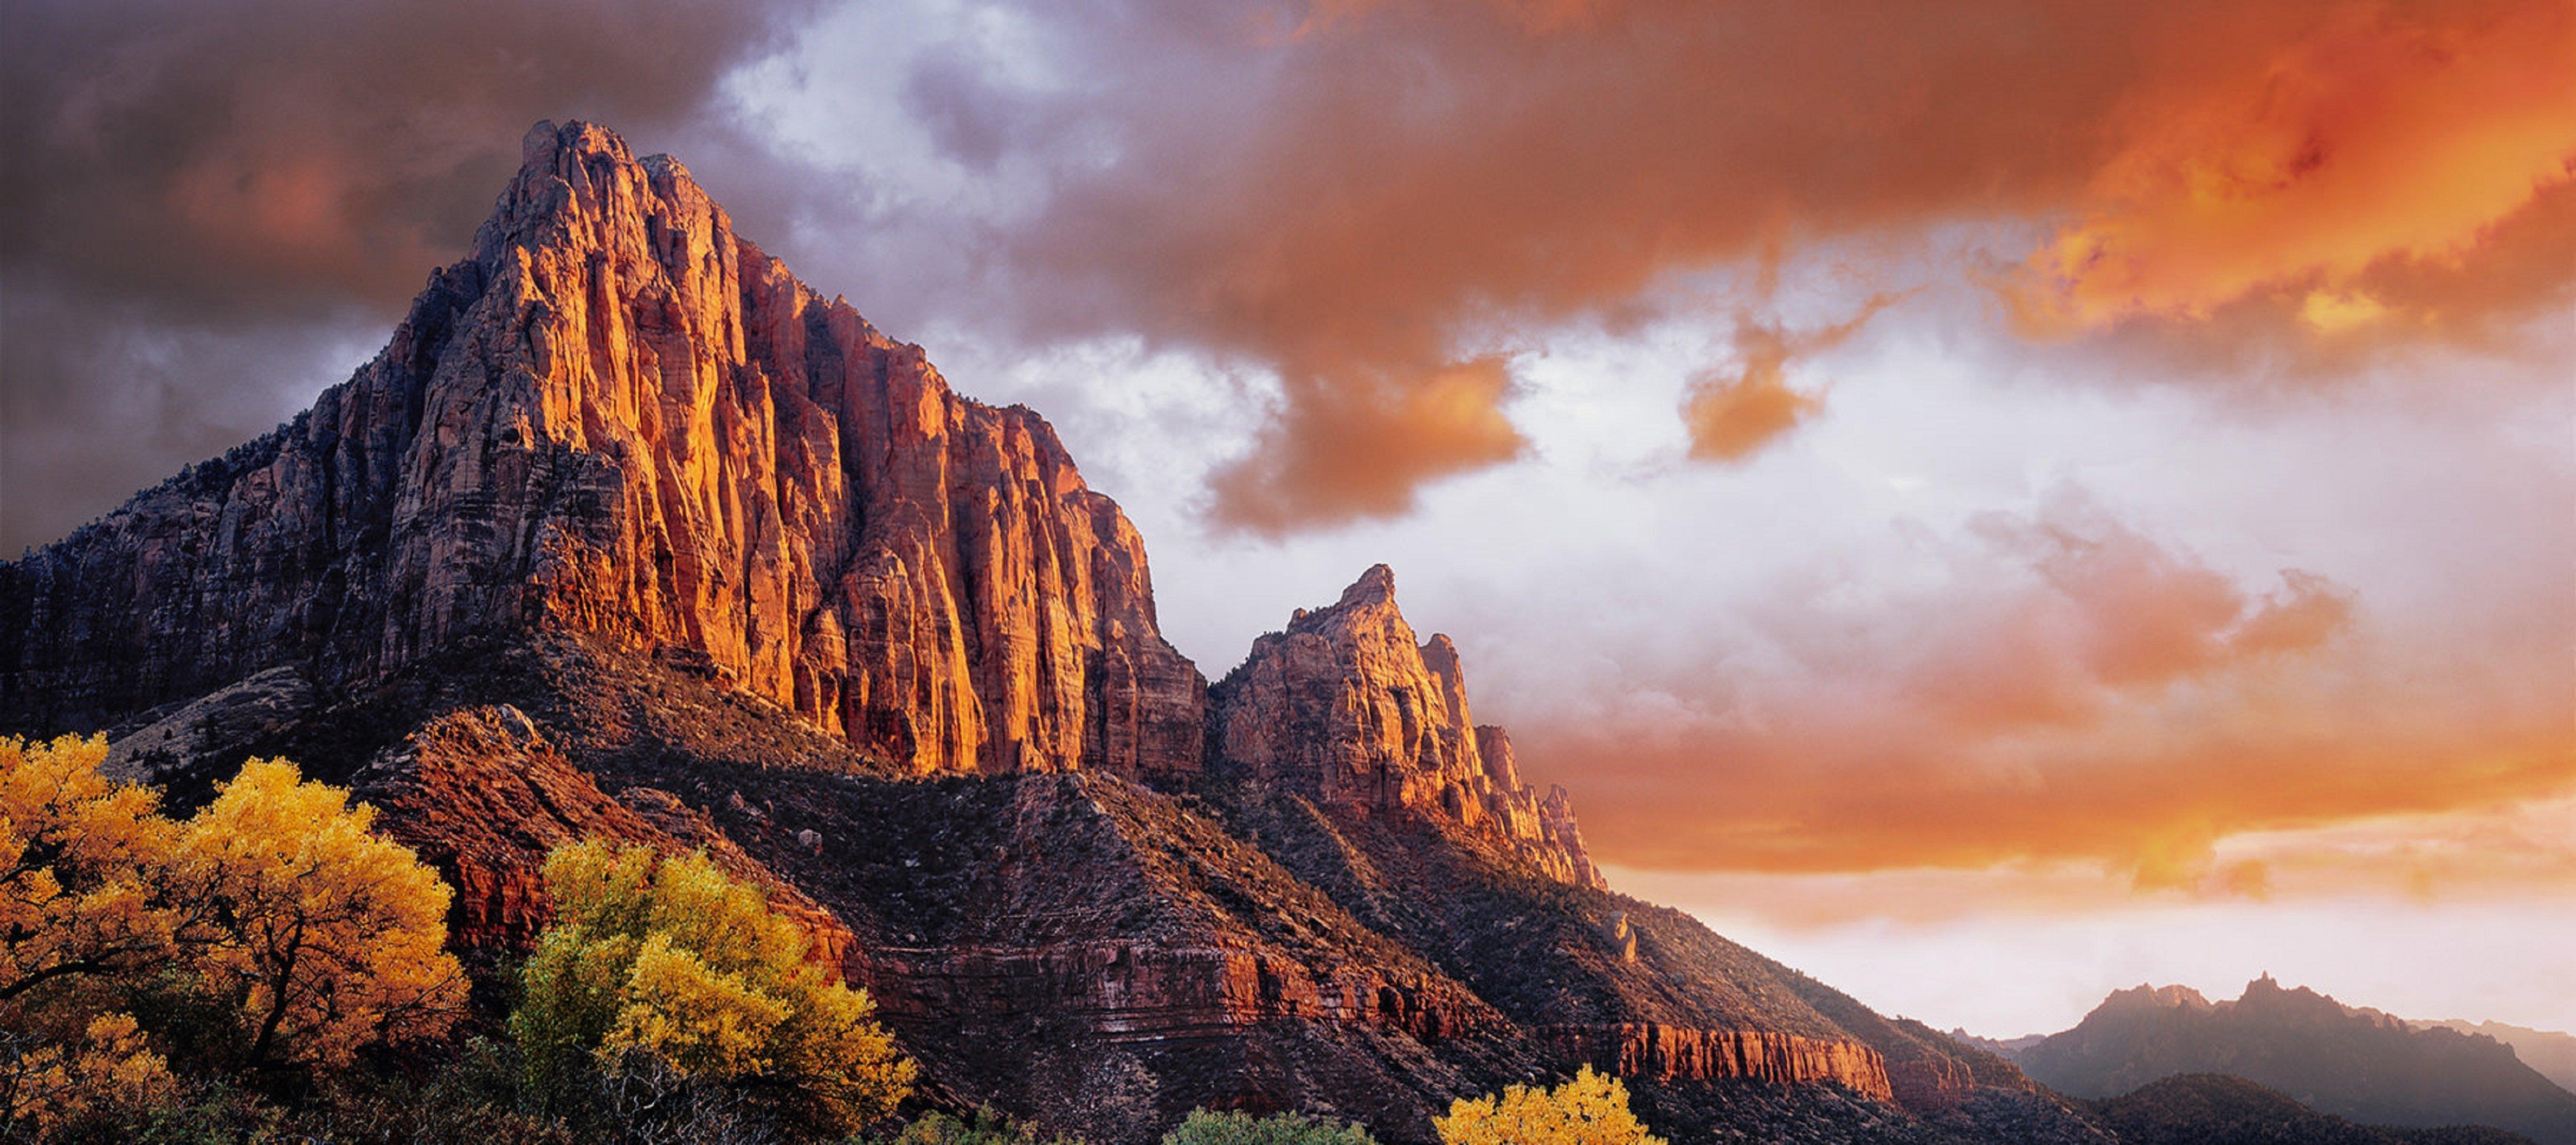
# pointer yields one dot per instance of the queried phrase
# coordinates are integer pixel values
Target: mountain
(629, 533)
(2549, 1052)
(2354, 1063)
(2215, 1109)
(2006, 1048)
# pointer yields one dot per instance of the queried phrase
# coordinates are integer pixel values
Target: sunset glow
(1912, 470)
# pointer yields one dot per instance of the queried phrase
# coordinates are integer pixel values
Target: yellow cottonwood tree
(1590, 1109)
(666, 964)
(274, 901)
(82, 867)
(331, 938)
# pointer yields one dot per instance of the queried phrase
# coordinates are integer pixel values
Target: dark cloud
(202, 202)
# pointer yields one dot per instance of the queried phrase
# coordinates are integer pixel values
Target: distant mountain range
(2347, 1062)
(2548, 1051)
(2216, 1109)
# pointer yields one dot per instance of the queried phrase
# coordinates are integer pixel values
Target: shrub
(990, 1127)
(1591, 1109)
(1204, 1127)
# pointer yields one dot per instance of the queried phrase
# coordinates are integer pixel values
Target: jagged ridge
(2351, 1062)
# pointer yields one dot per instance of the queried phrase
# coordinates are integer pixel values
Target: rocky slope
(2215, 1109)
(627, 533)
(2353, 1063)
(2548, 1052)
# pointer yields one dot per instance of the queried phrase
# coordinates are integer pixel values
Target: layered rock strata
(1346, 707)
(1646, 1049)
(619, 418)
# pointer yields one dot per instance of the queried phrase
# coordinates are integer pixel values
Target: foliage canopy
(272, 915)
(662, 970)
(1206, 1127)
(1589, 1109)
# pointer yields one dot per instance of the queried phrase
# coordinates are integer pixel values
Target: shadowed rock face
(1346, 708)
(2347, 1061)
(482, 793)
(618, 418)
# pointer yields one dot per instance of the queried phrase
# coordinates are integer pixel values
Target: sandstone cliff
(618, 418)
(1346, 707)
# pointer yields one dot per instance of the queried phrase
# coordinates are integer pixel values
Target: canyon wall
(1644, 1049)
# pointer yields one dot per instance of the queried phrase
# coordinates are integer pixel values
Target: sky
(1988, 502)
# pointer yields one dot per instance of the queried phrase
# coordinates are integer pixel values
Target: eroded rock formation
(1346, 707)
(1645, 1049)
(619, 418)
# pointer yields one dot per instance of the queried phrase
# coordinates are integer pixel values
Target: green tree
(1205, 1127)
(989, 1127)
(660, 976)
(1590, 1109)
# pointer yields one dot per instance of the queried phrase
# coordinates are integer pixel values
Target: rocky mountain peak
(2145, 997)
(1374, 587)
(2352, 1062)
(1347, 708)
(619, 420)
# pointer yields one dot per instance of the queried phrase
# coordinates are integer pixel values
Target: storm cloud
(207, 210)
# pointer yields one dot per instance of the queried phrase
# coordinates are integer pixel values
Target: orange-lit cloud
(1345, 448)
(2516, 850)
(1733, 414)
(2384, 135)
(2071, 690)
(1401, 185)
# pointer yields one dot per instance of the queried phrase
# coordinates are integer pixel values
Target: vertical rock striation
(617, 418)
(1345, 707)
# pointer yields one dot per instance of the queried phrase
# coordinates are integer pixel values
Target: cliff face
(1347, 708)
(618, 418)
